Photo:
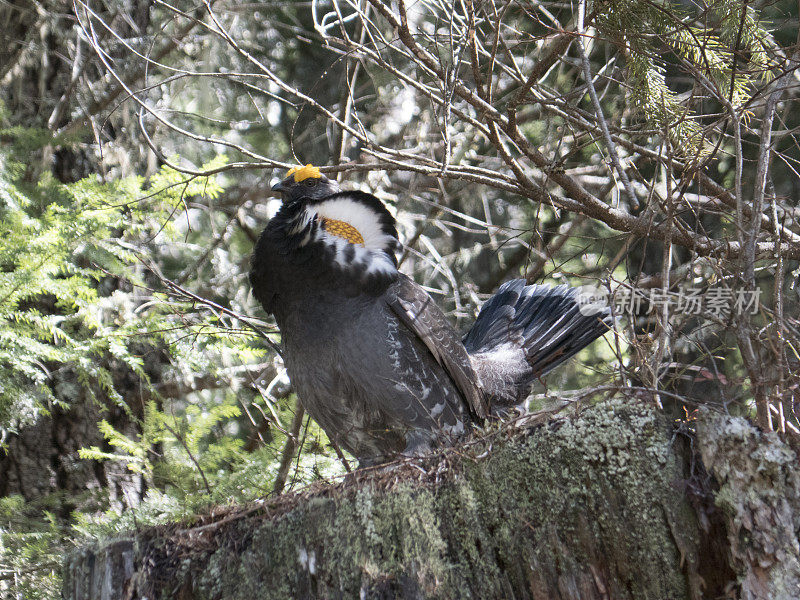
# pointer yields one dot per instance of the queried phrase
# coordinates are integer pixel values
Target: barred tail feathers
(523, 332)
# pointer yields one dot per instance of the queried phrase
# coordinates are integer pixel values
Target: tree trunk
(41, 461)
(611, 503)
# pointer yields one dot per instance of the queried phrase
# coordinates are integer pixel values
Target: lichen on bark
(759, 493)
(592, 505)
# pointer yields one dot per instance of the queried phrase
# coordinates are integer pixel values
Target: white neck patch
(355, 232)
(358, 216)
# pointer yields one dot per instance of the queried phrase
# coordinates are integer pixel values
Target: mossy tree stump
(610, 503)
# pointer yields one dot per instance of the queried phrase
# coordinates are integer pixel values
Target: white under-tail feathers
(523, 332)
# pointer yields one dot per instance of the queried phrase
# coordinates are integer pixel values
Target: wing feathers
(418, 312)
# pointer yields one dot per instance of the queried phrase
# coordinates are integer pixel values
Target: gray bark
(41, 461)
(611, 503)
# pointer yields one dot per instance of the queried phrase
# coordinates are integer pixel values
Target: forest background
(646, 149)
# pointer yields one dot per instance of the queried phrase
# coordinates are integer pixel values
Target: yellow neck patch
(303, 173)
(343, 230)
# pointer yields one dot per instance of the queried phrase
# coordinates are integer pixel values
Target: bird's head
(305, 182)
(352, 232)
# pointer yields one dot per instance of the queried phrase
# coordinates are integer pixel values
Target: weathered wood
(607, 504)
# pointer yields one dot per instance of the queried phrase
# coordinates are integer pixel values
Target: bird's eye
(312, 181)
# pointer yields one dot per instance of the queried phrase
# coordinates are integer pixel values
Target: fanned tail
(525, 331)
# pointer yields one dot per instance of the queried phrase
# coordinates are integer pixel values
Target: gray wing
(369, 380)
(417, 311)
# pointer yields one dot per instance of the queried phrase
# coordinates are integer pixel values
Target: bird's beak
(283, 186)
(279, 187)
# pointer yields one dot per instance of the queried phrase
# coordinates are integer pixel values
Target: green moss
(543, 512)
